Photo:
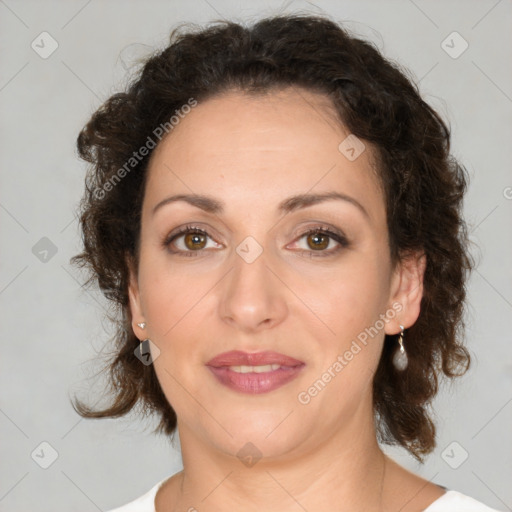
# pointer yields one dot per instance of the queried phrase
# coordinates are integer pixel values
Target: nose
(254, 295)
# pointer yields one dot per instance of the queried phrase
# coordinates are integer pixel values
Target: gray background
(52, 329)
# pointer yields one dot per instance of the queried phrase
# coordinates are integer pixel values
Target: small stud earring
(400, 359)
(142, 325)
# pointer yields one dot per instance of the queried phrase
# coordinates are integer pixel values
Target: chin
(263, 435)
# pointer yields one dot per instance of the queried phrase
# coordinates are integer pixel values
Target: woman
(276, 213)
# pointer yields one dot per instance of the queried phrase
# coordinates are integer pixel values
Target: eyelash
(323, 230)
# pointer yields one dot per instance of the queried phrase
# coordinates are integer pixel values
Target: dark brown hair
(423, 185)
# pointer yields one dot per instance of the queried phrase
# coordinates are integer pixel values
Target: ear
(136, 310)
(406, 291)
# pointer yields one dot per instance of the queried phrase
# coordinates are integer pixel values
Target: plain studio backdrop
(60, 61)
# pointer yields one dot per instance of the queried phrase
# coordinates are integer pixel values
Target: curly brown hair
(423, 185)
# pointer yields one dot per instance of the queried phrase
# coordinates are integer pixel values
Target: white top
(450, 501)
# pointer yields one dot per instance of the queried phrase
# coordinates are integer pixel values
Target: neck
(345, 472)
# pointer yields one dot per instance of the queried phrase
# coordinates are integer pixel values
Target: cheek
(169, 292)
(176, 310)
(349, 337)
(350, 296)
(349, 305)
(178, 302)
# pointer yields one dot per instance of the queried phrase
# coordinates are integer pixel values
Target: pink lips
(254, 382)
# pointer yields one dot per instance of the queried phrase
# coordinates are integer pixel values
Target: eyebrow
(212, 205)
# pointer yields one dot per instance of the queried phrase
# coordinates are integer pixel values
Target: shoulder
(454, 501)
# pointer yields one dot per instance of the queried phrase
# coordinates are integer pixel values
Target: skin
(251, 153)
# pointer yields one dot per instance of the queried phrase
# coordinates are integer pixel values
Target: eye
(318, 239)
(194, 241)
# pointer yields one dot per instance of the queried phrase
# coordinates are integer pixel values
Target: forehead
(257, 149)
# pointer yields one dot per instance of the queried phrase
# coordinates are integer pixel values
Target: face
(241, 273)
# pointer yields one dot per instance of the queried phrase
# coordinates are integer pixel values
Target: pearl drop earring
(400, 359)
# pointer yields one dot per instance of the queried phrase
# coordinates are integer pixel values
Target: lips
(239, 358)
(254, 373)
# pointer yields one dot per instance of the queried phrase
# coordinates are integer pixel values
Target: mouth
(254, 373)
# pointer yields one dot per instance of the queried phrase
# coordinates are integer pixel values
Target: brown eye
(189, 241)
(319, 241)
(194, 240)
